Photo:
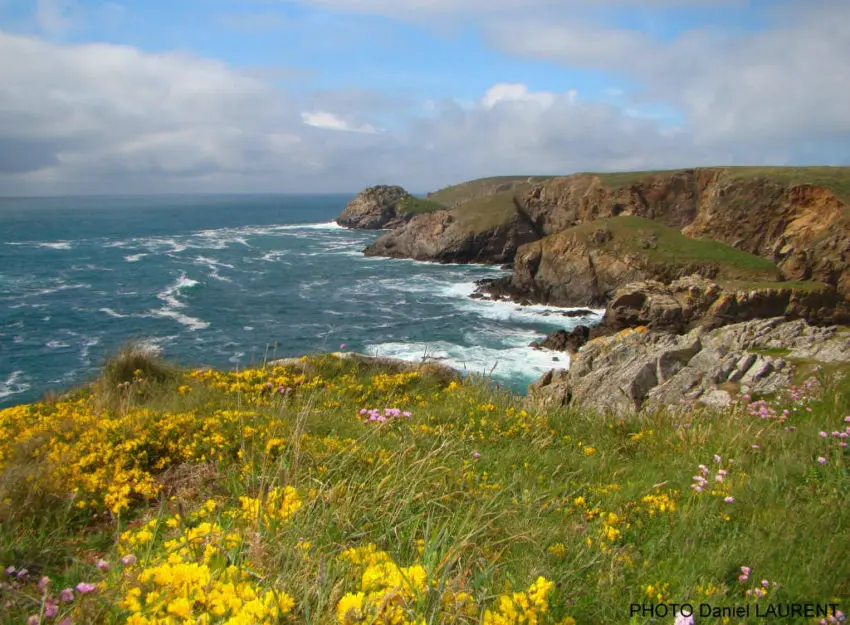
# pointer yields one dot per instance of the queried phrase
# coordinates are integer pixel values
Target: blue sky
(267, 95)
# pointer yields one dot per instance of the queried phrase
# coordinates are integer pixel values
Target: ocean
(231, 281)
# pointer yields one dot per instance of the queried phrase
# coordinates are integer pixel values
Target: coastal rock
(374, 208)
(802, 227)
(694, 301)
(565, 341)
(642, 369)
(441, 237)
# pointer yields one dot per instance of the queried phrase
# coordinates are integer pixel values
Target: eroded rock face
(375, 209)
(439, 237)
(637, 370)
(695, 301)
(804, 229)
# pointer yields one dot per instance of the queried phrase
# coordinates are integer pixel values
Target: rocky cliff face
(641, 369)
(375, 209)
(803, 228)
(440, 237)
(694, 301)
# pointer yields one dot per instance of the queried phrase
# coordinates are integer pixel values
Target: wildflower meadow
(332, 490)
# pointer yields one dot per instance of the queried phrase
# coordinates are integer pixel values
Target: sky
(263, 96)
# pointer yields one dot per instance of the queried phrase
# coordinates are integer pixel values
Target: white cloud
(791, 80)
(329, 121)
(106, 118)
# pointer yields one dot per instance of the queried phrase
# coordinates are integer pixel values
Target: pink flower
(742, 578)
(717, 458)
(823, 435)
(10, 570)
(765, 583)
(128, 560)
(84, 588)
(342, 346)
(746, 570)
(66, 621)
(35, 619)
(103, 565)
(42, 584)
(51, 609)
(821, 460)
(729, 500)
(756, 447)
(476, 455)
(66, 595)
(847, 419)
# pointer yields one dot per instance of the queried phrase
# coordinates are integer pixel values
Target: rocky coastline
(686, 265)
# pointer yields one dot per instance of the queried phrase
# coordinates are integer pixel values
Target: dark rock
(375, 209)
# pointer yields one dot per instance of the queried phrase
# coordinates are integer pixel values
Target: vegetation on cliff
(331, 491)
(482, 187)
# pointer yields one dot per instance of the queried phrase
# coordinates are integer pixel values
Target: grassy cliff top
(661, 245)
(466, 191)
(415, 205)
(834, 179)
(486, 211)
(325, 491)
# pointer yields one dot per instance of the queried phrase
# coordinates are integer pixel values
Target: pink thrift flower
(84, 588)
(342, 346)
(66, 621)
(35, 619)
(476, 455)
(10, 570)
(756, 447)
(718, 478)
(103, 565)
(847, 419)
(717, 458)
(128, 560)
(66, 595)
(765, 583)
(51, 609)
(746, 570)
(821, 460)
(729, 500)
(823, 434)
(42, 584)
(742, 578)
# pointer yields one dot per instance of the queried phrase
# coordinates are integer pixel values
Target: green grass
(416, 205)
(484, 492)
(487, 211)
(466, 191)
(672, 248)
(835, 179)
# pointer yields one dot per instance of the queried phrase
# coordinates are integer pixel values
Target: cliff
(382, 207)
(795, 218)
(487, 229)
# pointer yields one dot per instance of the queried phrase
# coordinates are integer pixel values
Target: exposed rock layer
(643, 369)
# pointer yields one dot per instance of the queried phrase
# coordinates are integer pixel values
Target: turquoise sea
(229, 281)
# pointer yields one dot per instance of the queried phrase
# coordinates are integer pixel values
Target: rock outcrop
(789, 216)
(375, 209)
(641, 369)
(442, 237)
(695, 301)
